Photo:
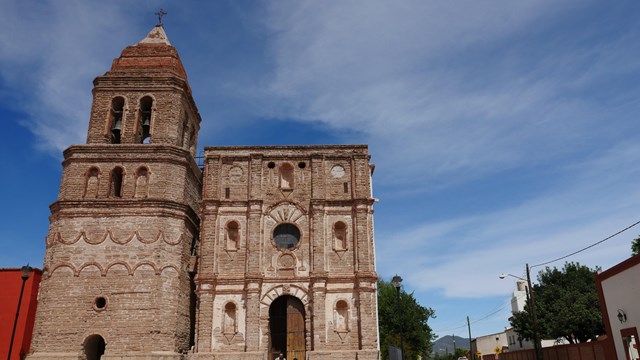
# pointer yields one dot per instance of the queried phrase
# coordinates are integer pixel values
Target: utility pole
(536, 334)
(473, 355)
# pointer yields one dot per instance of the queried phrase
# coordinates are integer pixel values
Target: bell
(117, 120)
(117, 124)
(146, 119)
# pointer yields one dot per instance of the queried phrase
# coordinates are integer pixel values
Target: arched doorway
(286, 328)
(94, 347)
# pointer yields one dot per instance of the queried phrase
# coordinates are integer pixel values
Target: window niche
(340, 236)
(232, 236)
(146, 112)
(229, 320)
(142, 183)
(92, 183)
(116, 118)
(286, 176)
(117, 177)
(342, 316)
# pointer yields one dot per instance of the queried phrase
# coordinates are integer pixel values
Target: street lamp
(25, 275)
(534, 318)
(397, 282)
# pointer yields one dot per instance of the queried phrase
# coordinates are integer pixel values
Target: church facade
(261, 250)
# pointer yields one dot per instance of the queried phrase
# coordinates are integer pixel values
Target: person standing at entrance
(281, 357)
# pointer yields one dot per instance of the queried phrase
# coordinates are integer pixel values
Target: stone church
(254, 251)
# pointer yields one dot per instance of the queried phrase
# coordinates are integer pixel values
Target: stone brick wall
(313, 187)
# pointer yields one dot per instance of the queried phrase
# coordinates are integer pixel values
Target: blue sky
(503, 132)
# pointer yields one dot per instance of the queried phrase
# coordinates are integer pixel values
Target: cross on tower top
(160, 14)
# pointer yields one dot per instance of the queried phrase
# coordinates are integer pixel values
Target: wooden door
(295, 330)
(286, 328)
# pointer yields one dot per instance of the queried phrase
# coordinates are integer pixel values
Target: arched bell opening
(146, 112)
(94, 346)
(117, 108)
(287, 328)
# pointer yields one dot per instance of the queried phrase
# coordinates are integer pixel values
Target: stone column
(319, 291)
(254, 240)
(253, 323)
(204, 317)
(367, 310)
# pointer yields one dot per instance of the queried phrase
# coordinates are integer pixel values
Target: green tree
(635, 246)
(566, 305)
(417, 335)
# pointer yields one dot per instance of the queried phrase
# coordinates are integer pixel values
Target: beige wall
(622, 291)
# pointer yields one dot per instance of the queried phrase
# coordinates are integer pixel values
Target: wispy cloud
(596, 202)
(50, 53)
(446, 94)
(439, 89)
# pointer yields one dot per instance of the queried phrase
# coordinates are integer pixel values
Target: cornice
(122, 207)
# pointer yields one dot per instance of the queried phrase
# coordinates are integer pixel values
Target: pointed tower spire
(153, 54)
(145, 97)
(156, 36)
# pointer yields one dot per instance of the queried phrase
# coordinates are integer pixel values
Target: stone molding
(48, 270)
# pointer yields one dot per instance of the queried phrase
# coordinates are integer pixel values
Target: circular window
(286, 236)
(100, 303)
(271, 165)
(302, 164)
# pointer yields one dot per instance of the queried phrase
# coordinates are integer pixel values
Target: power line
(588, 247)
(542, 264)
(484, 317)
(496, 311)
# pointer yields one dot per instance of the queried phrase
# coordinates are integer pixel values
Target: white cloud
(596, 202)
(444, 92)
(50, 53)
(439, 89)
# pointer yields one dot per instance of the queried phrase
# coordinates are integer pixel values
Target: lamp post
(534, 317)
(397, 282)
(25, 275)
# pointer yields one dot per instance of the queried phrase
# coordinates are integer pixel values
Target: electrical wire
(588, 247)
(541, 264)
(484, 317)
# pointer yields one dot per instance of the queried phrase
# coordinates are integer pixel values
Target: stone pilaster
(252, 337)
(204, 326)
(319, 289)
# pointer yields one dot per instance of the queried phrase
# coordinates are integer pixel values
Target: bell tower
(118, 269)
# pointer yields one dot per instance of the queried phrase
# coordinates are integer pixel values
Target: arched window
(142, 183)
(94, 347)
(92, 182)
(117, 176)
(286, 236)
(146, 112)
(229, 321)
(340, 235)
(232, 235)
(286, 176)
(342, 316)
(117, 107)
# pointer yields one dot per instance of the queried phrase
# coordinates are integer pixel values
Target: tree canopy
(566, 305)
(417, 335)
(635, 246)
